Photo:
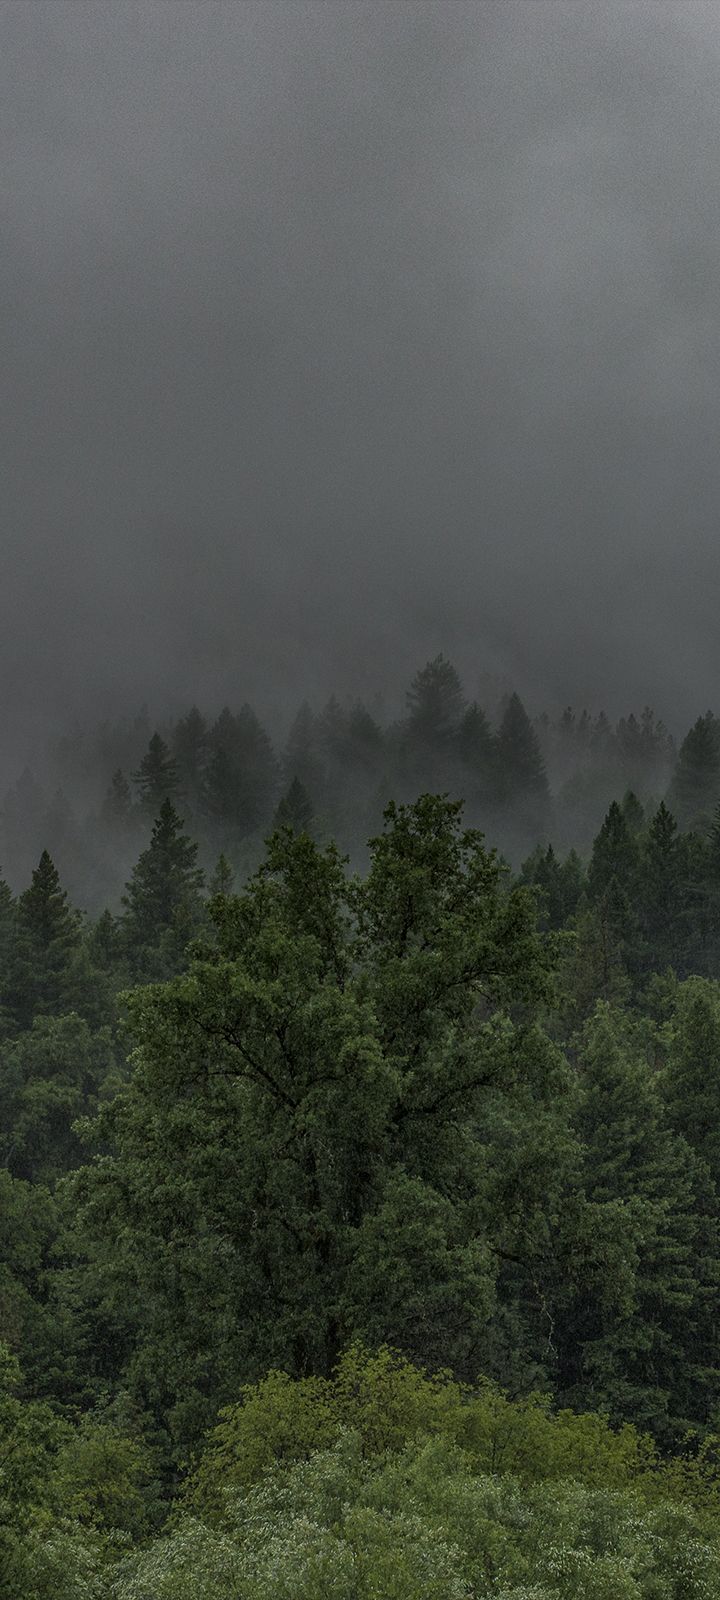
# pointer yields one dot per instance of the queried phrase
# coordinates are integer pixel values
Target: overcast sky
(336, 334)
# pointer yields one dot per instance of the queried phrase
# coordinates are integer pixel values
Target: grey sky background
(335, 334)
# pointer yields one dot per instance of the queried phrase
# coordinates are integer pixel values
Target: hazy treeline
(90, 799)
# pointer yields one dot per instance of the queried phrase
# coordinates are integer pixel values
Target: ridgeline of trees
(92, 798)
(361, 1231)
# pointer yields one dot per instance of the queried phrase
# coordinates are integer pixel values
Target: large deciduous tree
(343, 1117)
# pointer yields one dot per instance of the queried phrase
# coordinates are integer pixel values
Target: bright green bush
(423, 1524)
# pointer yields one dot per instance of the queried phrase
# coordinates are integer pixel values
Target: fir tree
(117, 805)
(629, 1343)
(478, 753)
(8, 918)
(435, 706)
(190, 751)
(522, 780)
(241, 776)
(222, 880)
(47, 943)
(559, 883)
(633, 812)
(295, 810)
(157, 777)
(302, 757)
(615, 855)
(162, 903)
(691, 1077)
(660, 898)
(695, 788)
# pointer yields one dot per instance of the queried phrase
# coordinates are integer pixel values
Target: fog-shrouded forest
(359, 800)
(360, 1165)
(91, 795)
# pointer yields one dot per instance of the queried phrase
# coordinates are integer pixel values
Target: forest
(360, 1144)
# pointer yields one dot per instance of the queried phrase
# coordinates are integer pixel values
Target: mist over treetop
(338, 335)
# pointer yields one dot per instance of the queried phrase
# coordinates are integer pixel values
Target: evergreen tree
(703, 897)
(44, 964)
(695, 788)
(157, 777)
(222, 880)
(7, 946)
(615, 855)
(596, 966)
(522, 780)
(633, 812)
(352, 751)
(302, 757)
(49, 1077)
(628, 1344)
(435, 704)
(295, 809)
(117, 809)
(477, 750)
(661, 894)
(190, 751)
(241, 775)
(560, 884)
(691, 1077)
(23, 814)
(162, 903)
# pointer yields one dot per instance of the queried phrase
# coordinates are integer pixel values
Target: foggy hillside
(360, 800)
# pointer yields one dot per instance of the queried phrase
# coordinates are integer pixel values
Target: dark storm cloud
(337, 334)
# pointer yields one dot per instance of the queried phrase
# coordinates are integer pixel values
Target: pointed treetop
(157, 777)
(295, 809)
(435, 702)
(222, 880)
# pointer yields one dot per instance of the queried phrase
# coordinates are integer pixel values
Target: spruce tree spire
(157, 777)
(48, 937)
(163, 899)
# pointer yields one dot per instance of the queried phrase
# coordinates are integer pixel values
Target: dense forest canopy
(359, 1012)
(286, 1134)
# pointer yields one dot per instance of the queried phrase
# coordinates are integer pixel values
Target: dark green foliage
(7, 945)
(305, 1111)
(559, 884)
(163, 900)
(222, 879)
(695, 788)
(49, 1076)
(43, 966)
(434, 707)
(691, 1078)
(633, 812)
(241, 776)
(478, 753)
(156, 779)
(615, 856)
(522, 781)
(662, 914)
(295, 810)
(387, 1107)
(629, 1339)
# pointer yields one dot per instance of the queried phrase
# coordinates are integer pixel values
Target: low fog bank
(527, 775)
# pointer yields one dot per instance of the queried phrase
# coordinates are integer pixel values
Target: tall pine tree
(162, 903)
